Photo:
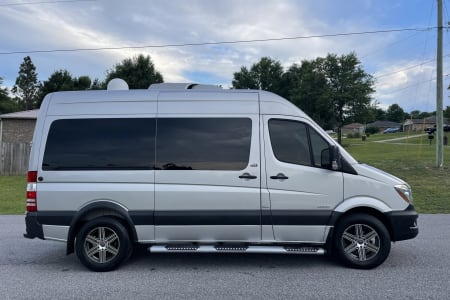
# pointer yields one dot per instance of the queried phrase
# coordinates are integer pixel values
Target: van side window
(289, 141)
(203, 143)
(101, 144)
(318, 144)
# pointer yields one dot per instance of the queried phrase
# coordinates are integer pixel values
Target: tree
(62, 80)
(304, 86)
(265, 75)
(27, 86)
(244, 79)
(415, 114)
(380, 114)
(395, 113)
(82, 83)
(349, 88)
(6, 103)
(334, 90)
(97, 85)
(139, 72)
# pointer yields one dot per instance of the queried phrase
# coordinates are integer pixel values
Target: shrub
(372, 130)
(354, 135)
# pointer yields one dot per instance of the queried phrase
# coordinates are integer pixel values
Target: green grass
(12, 194)
(412, 160)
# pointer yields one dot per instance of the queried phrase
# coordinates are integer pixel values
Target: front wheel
(361, 241)
(102, 244)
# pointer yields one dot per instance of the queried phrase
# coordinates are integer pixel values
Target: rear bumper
(403, 224)
(33, 227)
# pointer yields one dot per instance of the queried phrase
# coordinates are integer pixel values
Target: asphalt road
(415, 269)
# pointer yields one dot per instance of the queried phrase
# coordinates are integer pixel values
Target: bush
(355, 135)
(372, 130)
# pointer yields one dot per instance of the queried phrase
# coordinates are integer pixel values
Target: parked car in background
(431, 130)
(391, 130)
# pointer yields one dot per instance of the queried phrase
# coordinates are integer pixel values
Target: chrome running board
(236, 249)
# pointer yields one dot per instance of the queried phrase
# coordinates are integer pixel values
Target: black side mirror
(330, 158)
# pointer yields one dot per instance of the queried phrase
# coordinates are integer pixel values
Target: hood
(377, 174)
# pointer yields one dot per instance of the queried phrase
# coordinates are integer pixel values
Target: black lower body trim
(300, 217)
(403, 224)
(203, 217)
(210, 217)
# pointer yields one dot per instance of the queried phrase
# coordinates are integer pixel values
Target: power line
(411, 85)
(408, 68)
(44, 2)
(220, 43)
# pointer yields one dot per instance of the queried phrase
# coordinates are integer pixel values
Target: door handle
(279, 176)
(247, 176)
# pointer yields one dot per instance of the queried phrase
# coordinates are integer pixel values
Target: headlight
(405, 192)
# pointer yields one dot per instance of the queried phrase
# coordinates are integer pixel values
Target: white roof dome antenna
(117, 84)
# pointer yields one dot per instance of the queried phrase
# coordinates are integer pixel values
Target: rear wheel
(102, 244)
(361, 241)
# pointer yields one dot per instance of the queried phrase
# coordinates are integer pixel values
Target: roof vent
(117, 84)
(183, 86)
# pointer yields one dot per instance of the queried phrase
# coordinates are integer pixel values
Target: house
(419, 125)
(382, 125)
(353, 128)
(16, 134)
(18, 127)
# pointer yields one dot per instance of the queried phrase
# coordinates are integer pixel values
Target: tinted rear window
(203, 143)
(100, 144)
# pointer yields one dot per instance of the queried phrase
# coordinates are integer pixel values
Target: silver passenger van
(187, 168)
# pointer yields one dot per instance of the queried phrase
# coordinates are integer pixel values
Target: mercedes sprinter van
(191, 168)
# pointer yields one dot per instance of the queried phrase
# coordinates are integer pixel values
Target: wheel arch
(338, 216)
(94, 210)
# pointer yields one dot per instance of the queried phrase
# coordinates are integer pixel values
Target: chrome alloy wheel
(102, 244)
(360, 242)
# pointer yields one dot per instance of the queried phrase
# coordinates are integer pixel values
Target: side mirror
(330, 158)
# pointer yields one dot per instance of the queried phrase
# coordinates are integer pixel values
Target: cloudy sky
(402, 62)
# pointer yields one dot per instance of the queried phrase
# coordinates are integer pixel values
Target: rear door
(302, 193)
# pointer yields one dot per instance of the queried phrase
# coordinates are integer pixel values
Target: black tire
(102, 244)
(361, 241)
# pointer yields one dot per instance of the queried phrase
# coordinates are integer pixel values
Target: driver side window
(296, 143)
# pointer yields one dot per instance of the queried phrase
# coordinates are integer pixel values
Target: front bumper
(403, 224)
(33, 227)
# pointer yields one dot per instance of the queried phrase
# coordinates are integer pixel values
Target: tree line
(334, 90)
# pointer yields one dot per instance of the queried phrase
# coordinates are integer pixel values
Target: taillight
(31, 191)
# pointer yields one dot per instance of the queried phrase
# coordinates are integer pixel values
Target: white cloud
(410, 84)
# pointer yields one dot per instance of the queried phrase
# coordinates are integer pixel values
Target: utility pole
(439, 94)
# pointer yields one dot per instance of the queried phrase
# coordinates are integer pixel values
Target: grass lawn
(411, 159)
(12, 194)
(414, 161)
